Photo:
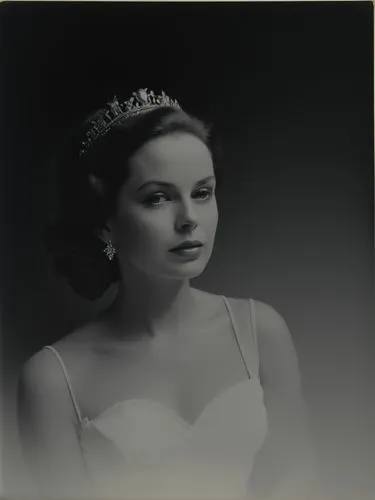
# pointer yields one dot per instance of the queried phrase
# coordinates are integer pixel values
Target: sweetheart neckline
(88, 422)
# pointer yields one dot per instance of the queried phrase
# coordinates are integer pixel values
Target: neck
(152, 305)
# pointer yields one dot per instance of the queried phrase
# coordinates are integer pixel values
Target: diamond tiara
(141, 101)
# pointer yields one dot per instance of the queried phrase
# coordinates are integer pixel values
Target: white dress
(140, 449)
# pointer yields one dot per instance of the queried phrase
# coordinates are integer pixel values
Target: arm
(47, 427)
(285, 465)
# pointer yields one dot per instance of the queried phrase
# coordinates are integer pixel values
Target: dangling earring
(109, 250)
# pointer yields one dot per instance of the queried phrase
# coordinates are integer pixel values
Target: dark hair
(87, 190)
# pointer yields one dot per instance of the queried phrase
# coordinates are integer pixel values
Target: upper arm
(47, 426)
(279, 367)
(289, 442)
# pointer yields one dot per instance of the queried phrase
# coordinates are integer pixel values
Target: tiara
(141, 101)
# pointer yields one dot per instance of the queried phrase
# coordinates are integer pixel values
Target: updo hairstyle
(87, 189)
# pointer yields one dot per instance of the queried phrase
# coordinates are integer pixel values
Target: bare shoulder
(39, 374)
(277, 353)
(269, 322)
(42, 371)
(41, 389)
(210, 303)
(205, 296)
(270, 325)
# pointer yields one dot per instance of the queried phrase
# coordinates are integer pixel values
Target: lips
(187, 244)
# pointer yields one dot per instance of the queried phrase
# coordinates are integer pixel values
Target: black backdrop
(289, 89)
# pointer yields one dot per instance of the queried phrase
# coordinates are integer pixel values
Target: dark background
(289, 89)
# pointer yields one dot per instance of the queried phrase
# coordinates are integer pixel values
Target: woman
(172, 392)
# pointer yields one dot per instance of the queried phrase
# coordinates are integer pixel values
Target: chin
(187, 271)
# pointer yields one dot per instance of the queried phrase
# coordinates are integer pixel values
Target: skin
(153, 218)
(155, 317)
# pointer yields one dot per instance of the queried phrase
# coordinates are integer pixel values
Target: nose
(186, 219)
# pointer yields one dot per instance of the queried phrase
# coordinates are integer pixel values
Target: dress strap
(253, 320)
(67, 380)
(242, 314)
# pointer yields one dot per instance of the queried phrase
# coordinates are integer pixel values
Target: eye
(204, 194)
(155, 199)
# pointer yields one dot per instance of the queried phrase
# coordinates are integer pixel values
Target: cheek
(143, 231)
(210, 219)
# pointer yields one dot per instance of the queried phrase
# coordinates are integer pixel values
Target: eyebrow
(169, 184)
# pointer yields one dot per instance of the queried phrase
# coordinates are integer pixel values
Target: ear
(105, 233)
(96, 184)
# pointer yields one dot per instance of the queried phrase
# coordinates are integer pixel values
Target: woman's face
(168, 199)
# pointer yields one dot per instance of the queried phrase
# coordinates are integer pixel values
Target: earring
(109, 250)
